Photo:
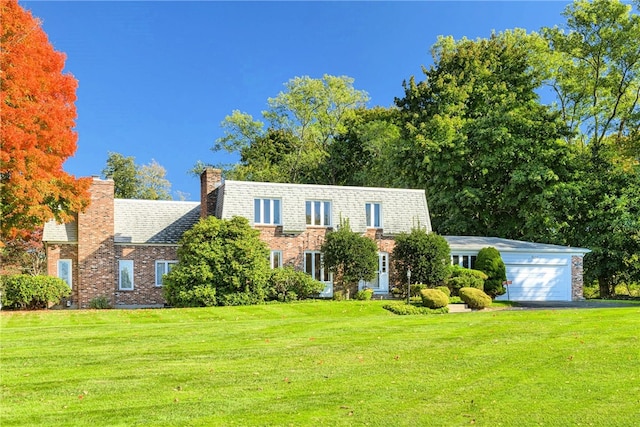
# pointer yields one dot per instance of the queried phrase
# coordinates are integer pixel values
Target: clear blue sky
(157, 78)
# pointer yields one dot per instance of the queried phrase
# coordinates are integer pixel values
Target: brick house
(120, 249)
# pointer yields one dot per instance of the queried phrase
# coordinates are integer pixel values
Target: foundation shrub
(287, 284)
(475, 298)
(22, 291)
(434, 298)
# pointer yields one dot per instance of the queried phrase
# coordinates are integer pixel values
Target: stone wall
(577, 279)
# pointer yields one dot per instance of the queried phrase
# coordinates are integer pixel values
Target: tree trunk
(606, 288)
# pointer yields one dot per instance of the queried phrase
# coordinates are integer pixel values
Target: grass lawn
(320, 363)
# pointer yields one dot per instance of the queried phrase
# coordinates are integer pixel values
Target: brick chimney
(96, 249)
(210, 180)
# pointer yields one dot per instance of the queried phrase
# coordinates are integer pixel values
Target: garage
(536, 271)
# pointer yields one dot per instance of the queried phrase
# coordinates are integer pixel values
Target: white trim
(309, 219)
(272, 258)
(370, 207)
(272, 211)
(166, 269)
(123, 266)
(70, 271)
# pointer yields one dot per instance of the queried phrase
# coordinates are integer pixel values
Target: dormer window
(318, 213)
(373, 213)
(267, 212)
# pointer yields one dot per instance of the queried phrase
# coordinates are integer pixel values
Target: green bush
(364, 294)
(220, 262)
(339, 295)
(465, 278)
(475, 298)
(287, 284)
(444, 290)
(426, 254)
(434, 298)
(23, 291)
(404, 309)
(490, 262)
(99, 303)
(455, 300)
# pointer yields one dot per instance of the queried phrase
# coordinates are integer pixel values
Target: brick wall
(54, 254)
(210, 180)
(294, 245)
(96, 246)
(145, 292)
(577, 279)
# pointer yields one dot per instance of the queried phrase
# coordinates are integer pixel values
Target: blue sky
(156, 78)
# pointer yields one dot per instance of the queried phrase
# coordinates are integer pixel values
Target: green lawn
(321, 363)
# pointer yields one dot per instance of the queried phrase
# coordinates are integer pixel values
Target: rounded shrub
(490, 262)
(475, 298)
(444, 290)
(287, 284)
(364, 294)
(434, 298)
(465, 278)
(22, 291)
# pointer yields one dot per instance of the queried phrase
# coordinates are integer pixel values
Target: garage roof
(475, 243)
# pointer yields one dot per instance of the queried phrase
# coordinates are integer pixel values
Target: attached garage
(537, 272)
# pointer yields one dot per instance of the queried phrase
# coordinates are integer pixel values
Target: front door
(380, 282)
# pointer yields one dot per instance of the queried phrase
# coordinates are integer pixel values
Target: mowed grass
(320, 363)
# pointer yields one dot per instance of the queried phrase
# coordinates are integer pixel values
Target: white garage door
(538, 278)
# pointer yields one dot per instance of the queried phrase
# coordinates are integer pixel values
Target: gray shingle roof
(475, 243)
(402, 209)
(137, 221)
(153, 221)
(67, 233)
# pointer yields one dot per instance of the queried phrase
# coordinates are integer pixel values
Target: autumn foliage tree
(36, 132)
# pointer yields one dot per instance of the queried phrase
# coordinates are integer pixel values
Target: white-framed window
(267, 211)
(65, 272)
(314, 267)
(125, 275)
(162, 268)
(318, 212)
(373, 212)
(275, 259)
(466, 261)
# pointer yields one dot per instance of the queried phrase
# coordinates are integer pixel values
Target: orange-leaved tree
(37, 130)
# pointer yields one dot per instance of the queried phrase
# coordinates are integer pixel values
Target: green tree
(365, 153)
(308, 115)
(594, 70)
(426, 254)
(350, 256)
(220, 262)
(137, 182)
(152, 184)
(492, 158)
(490, 263)
(122, 170)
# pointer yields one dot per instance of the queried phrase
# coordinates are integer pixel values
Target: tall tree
(595, 73)
(37, 121)
(122, 170)
(137, 182)
(306, 117)
(491, 157)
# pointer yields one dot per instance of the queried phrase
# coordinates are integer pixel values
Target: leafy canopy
(350, 256)
(427, 255)
(137, 182)
(36, 128)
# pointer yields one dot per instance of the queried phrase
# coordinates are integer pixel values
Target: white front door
(380, 282)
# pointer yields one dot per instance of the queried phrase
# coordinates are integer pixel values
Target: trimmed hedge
(287, 284)
(22, 291)
(465, 278)
(434, 298)
(404, 309)
(444, 290)
(475, 298)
